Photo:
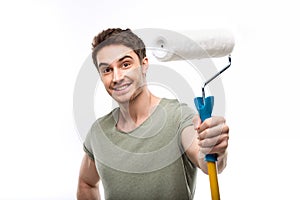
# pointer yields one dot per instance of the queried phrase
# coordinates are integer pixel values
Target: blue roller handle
(205, 111)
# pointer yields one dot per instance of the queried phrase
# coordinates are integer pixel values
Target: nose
(118, 75)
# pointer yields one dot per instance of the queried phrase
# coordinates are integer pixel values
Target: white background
(44, 43)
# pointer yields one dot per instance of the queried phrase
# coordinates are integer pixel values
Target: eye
(126, 65)
(106, 70)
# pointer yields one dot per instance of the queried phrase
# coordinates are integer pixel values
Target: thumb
(196, 122)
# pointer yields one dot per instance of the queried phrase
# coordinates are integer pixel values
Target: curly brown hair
(118, 36)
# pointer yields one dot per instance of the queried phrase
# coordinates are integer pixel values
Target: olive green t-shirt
(147, 163)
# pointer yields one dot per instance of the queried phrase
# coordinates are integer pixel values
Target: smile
(121, 87)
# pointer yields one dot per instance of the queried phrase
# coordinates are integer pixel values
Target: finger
(213, 131)
(212, 142)
(211, 122)
(219, 148)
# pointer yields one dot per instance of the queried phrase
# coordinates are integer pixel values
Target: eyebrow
(121, 59)
(101, 64)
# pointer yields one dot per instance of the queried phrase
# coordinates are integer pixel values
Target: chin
(127, 98)
(122, 99)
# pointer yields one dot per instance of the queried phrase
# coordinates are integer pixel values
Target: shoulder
(107, 120)
(176, 105)
(102, 125)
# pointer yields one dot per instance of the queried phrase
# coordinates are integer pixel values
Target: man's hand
(213, 135)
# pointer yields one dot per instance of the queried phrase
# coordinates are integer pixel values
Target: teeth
(121, 88)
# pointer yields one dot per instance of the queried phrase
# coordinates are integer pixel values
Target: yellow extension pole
(213, 179)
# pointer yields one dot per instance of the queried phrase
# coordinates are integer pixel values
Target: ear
(145, 65)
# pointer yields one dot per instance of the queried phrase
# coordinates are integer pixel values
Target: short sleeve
(186, 115)
(185, 119)
(87, 145)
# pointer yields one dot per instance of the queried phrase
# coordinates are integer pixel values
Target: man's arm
(88, 183)
(208, 137)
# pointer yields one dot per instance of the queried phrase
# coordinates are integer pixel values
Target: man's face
(121, 72)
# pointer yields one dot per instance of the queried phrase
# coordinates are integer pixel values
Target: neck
(137, 110)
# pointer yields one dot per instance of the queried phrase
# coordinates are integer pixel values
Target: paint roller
(196, 45)
(169, 46)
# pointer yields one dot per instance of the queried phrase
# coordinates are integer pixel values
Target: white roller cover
(170, 45)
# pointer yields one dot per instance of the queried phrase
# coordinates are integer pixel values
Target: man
(148, 147)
